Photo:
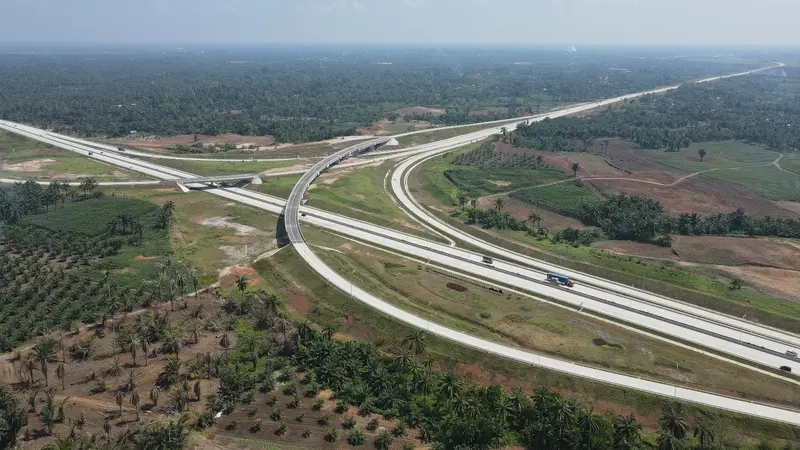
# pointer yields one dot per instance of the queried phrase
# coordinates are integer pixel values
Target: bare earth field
(638, 249)
(154, 143)
(733, 251)
(420, 110)
(780, 282)
(702, 195)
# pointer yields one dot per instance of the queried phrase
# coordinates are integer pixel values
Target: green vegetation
(259, 91)
(568, 198)
(280, 186)
(719, 155)
(212, 168)
(25, 158)
(360, 194)
(719, 111)
(83, 262)
(354, 320)
(768, 180)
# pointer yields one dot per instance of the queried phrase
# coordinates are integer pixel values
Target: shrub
(324, 420)
(332, 435)
(356, 438)
(349, 423)
(256, 426)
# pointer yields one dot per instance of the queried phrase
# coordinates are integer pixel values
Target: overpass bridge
(187, 184)
(291, 212)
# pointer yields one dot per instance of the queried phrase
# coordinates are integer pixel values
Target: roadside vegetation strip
(663, 389)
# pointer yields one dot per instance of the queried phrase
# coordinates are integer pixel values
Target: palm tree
(703, 434)
(575, 167)
(154, 395)
(450, 386)
(250, 340)
(242, 283)
(171, 372)
(225, 342)
(383, 441)
(119, 398)
(126, 340)
(192, 274)
(61, 374)
(534, 218)
(626, 432)
(702, 153)
(672, 422)
(169, 207)
(504, 132)
(329, 331)
(135, 402)
(462, 199)
(197, 390)
(415, 341)
(173, 341)
(44, 352)
(668, 441)
(499, 203)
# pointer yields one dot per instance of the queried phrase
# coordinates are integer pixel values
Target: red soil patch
(456, 287)
(198, 219)
(301, 304)
(638, 249)
(144, 258)
(229, 280)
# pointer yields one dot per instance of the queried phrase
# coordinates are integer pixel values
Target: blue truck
(560, 279)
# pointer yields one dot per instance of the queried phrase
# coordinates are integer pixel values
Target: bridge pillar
(183, 188)
(256, 180)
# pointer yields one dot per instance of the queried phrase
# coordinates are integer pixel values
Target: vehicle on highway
(786, 368)
(488, 260)
(791, 353)
(121, 148)
(560, 279)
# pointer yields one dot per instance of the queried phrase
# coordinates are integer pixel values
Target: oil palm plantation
(44, 353)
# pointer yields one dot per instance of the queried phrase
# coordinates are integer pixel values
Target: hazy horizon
(711, 23)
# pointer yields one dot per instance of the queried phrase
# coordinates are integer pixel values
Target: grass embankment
(311, 297)
(692, 285)
(280, 186)
(214, 168)
(359, 194)
(25, 158)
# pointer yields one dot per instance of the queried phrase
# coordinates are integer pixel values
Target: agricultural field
(565, 198)
(767, 180)
(476, 182)
(23, 158)
(719, 155)
(82, 266)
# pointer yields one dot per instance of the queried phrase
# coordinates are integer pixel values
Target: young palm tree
(499, 203)
(61, 374)
(44, 352)
(575, 167)
(415, 341)
(119, 398)
(250, 340)
(242, 283)
(225, 342)
(702, 153)
(172, 371)
(135, 402)
(672, 422)
(173, 341)
(154, 395)
(703, 434)
(329, 331)
(126, 340)
(534, 218)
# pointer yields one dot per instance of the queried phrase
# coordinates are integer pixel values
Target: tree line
(759, 109)
(310, 94)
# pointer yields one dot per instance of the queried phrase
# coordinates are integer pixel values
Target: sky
(528, 22)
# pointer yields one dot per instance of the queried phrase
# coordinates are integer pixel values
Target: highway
(272, 204)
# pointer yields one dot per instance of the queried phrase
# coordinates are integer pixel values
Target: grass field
(25, 158)
(90, 217)
(306, 292)
(719, 154)
(565, 198)
(791, 162)
(280, 186)
(212, 168)
(767, 180)
(359, 193)
(477, 182)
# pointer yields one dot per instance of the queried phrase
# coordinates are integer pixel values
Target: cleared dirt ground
(698, 194)
(733, 251)
(779, 282)
(638, 249)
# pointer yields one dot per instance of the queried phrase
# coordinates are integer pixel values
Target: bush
(281, 429)
(332, 435)
(349, 423)
(356, 438)
(486, 315)
(256, 426)
(324, 420)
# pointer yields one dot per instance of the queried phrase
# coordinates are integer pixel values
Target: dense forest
(762, 108)
(307, 94)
